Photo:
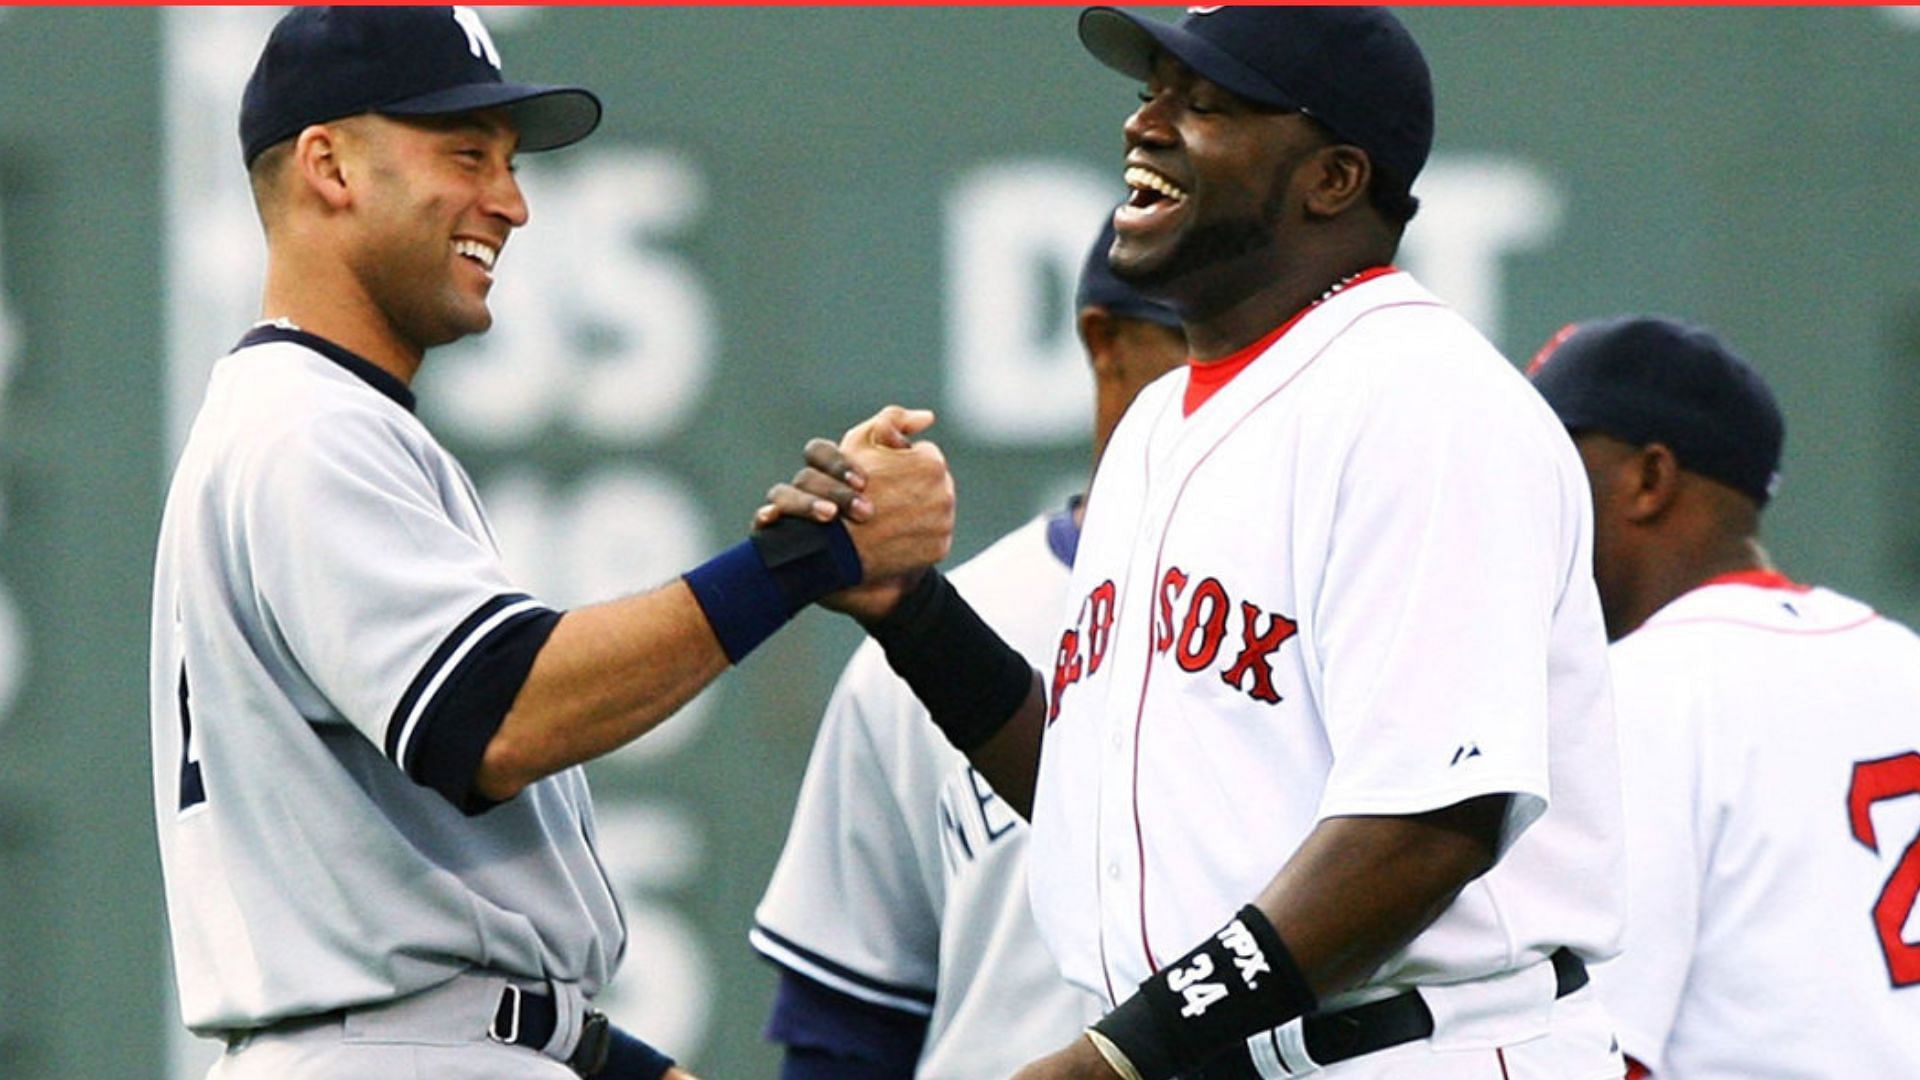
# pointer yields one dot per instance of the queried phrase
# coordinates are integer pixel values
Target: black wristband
(1236, 984)
(970, 680)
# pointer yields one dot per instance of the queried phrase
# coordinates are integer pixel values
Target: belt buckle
(596, 1040)
(509, 1005)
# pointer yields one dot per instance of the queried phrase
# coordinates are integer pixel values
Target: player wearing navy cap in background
(1769, 732)
(898, 913)
(377, 844)
(1329, 778)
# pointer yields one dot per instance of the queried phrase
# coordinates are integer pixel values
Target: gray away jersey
(903, 880)
(334, 641)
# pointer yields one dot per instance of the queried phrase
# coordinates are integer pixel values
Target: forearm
(978, 690)
(1010, 760)
(1356, 890)
(1359, 888)
(608, 674)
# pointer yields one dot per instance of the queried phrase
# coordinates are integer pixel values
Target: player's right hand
(896, 496)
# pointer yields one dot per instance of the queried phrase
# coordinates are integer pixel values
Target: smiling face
(437, 202)
(1211, 190)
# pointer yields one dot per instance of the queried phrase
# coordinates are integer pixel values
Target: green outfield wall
(790, 217)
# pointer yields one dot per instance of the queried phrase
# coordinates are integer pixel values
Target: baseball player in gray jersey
(898, 913)
(378, 846)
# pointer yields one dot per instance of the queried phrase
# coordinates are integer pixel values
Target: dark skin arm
(1357, 890)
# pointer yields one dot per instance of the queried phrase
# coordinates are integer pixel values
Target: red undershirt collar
(1760, 579)
(1204, 379)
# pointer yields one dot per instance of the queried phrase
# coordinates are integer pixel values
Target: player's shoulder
(1398, 339)
(1756, 603)
(281, 400)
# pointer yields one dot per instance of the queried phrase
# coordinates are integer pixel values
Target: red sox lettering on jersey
(1193, 626)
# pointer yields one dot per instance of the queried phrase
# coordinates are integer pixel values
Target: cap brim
(547, 117)
(1127, 43)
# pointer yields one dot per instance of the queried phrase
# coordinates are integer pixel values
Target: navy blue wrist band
(630, 1058)
(751, 589)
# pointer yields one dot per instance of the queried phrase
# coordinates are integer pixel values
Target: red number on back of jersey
(1875, 781)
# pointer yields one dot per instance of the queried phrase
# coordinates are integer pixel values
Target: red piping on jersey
(1146, 678)
(1872, 616)
(1759, 579)
(1501, 1053)
(1205, 378)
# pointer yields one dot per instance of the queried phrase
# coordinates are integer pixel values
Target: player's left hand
(895, 495)
(1079, 1061)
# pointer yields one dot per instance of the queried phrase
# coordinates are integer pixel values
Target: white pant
(437, 1034)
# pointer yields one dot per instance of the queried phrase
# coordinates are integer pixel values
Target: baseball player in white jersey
(377, 844)
(1769, 749)
(1333, 670)
(898, 913)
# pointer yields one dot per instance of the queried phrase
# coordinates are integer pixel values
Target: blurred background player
(898, 913)
(1768, 734)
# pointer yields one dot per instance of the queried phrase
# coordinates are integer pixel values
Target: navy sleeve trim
(450, 712)
(831, 1036)
(795, 957)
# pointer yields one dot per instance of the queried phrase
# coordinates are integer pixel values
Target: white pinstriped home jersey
(1770, 744)
(903, 881)
(1354, 581)
(331, 629)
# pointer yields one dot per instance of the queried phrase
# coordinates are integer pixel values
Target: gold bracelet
(1115, 1057)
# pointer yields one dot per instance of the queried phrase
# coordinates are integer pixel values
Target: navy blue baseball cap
(1646, 379)
(1099, 286)
(1354, 69)
(326, 63)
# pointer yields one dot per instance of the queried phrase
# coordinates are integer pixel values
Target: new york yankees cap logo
(325, 63)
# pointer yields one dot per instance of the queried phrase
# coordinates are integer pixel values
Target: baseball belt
(1377, 1025)
(529, 1020)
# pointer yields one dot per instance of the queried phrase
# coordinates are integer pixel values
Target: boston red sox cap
(1099, 286)
(325, 63)
(1646, 379)
(1354, 69)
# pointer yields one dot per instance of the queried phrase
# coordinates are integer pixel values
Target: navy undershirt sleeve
(470, 706)
(834, 1036)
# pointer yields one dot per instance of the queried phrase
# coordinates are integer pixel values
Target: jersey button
(1113, 871)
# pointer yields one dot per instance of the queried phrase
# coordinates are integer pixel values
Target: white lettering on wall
(600, 330)
(1017, 233)
(1474, 212)
(13, 630)
(666, 993)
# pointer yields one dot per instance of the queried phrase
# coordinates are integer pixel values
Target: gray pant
(437, 1034)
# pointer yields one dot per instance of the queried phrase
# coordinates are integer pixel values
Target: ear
(1652, 481)
(1098, 331)
(1338, 176)
(319, 157)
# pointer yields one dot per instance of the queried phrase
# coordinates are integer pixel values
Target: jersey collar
(1205, 379)
(1759, 579)
(366, 370)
